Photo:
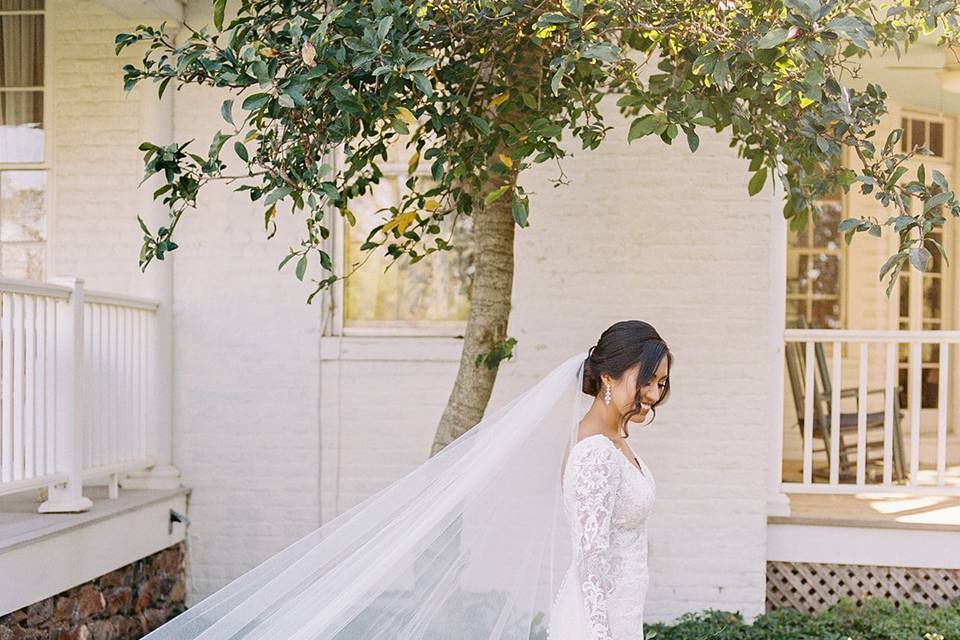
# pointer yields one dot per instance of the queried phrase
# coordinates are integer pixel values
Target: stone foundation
(122, 605)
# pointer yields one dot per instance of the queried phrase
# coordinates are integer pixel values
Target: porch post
(157, 127)
(70, 407)
(778, 504)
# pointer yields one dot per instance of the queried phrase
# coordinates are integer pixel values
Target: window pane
(433, 292)
(21, 5)
(21, 56)
(824, 273)
(929, 383)
(932, 298)
(826, 314)
(825, 232)
(794, 264)
(796, 310)
(903, 380)
(22, 216)
(904, 303)
(21, 126)
(21, 260)
(917, 133)
(936, 138)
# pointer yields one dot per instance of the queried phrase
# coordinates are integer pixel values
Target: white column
(70, 404)
(778, 504)
(157, 127)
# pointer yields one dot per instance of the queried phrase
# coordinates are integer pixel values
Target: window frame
(336, 322)
(47, 164)
(842, 253)
(927, 116)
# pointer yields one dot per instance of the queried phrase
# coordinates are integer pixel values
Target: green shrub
(875, 619)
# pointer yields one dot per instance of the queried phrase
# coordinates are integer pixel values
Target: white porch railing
(74, 385)
(820, 416)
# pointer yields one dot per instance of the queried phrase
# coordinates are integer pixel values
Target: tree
(484, 89)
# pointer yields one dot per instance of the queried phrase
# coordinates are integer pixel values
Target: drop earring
(606, 394)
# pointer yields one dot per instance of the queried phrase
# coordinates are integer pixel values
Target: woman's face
(623, 391)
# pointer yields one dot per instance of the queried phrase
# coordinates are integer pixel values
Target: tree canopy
(481, 90)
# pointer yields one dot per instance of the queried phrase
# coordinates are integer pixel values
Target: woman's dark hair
(622, 346)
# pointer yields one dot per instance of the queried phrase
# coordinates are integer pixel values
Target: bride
(532, 525)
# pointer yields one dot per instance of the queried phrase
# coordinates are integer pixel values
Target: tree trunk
(490, 302)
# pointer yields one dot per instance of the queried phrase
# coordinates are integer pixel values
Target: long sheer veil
(473, 544)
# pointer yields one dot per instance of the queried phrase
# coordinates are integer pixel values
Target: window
(815, 270)
(922, 131)
(23, 155)
(431, 296)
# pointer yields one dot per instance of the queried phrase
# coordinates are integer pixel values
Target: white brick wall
(96, 164)
(271, 437)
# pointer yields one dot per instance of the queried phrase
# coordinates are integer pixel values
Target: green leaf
(226, 110)
(241, 151)
(520, 212)
(383, 28)
(892, 261)
(301, 267)
(575, 7)
(773, 38)
(423, 83)
(937, 200)
(219, 8)
(217, 144)
(920, 258)
(553, 18)
(693, 140)
(604, 51)
(642, 126)
(493, 195)
(756, 183)
(277, 194)
(422, 63)
(255, 101)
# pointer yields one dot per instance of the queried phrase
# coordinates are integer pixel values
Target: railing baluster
(29, 397)
(113, 380)
(942, 406)
(862, 417)
(835, 415)
(808, 392)
(6, 430)
(68, 496)
(50, 409)
(890, 376)
(18, 390)
(89, 385)
(915, 401)
(41, 384)
(144, 383)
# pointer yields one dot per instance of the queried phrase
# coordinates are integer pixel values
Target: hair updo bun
(621, 347)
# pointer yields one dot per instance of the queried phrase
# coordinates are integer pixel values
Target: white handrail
(74, 370)
(846, 451)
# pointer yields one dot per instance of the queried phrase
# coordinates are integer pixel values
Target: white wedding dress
(607, 501)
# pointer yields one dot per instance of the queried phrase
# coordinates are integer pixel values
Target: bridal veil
(470, 545)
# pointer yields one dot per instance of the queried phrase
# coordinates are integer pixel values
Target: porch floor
(882, 510)
(20, 524)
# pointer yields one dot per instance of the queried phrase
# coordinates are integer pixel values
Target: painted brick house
(207, 390)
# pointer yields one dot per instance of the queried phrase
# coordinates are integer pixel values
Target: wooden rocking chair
(823, 394)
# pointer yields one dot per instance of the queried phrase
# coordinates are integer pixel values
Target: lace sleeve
(597, 479)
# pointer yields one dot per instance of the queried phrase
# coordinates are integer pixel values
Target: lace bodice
(608, 500)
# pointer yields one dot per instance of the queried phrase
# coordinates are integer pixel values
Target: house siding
(275, 438)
